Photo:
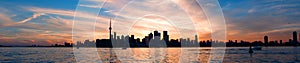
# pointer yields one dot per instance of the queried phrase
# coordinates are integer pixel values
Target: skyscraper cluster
(152, 39)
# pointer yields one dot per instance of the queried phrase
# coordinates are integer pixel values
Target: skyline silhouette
(162, 40)
(120, 41)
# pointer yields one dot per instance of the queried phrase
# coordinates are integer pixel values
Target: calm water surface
(140, 55)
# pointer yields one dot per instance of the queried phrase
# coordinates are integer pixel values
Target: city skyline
(156, 37)
(163, 38)
(50, 22)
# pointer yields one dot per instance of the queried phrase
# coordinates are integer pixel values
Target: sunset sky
(45, 22)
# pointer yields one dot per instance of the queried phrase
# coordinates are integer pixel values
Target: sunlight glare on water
(142, 55)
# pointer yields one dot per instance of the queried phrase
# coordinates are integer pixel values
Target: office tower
(115, 35)
(132, 41)
(138, 40)
(266, 39)
(165, 33)
(159, 35)
(188, 41)
(156, 33)
(145, 40)
(132, 37)
(150, 36)
(236, 41)
(280, 42)
(122, 37)
(196, 38)
(165, 36)
(295, 40)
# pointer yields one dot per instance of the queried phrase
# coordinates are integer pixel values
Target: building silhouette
(295, 40)
(156, 33)
(280, 42)
(290, 42)
(266, 40)
(166, 36)
(110, 30)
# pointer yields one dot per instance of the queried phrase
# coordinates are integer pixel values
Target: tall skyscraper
(132, 37)
(156, 33)
(132, 41)
(159, 35)
(165, 33)
(196, 38)
(115, 35)
(295, 40)
(150, 36)
(266, 39)
(165, 36)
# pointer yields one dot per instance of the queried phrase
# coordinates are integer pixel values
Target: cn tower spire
(110, 40)
(110, 29)
(110, 23)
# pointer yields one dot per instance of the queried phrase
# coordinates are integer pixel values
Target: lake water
(141, 55)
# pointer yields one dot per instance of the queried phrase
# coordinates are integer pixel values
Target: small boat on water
(257, 48)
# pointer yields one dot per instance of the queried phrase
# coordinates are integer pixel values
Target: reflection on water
(45, 55)
(143, 55)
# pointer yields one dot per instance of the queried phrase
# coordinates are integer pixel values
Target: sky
(46, 22)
